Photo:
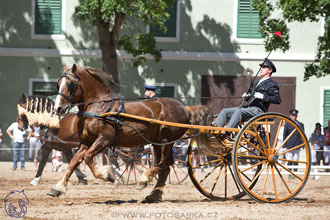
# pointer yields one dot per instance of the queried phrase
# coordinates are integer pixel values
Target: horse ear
(64, 68)
(74, 69)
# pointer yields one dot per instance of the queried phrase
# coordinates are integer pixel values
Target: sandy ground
(100, 200)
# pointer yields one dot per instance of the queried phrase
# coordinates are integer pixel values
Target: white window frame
(46, 36)
(178, 19)
(235, 39)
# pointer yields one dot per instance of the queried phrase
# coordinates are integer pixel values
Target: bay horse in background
(88, 88)
(62, 137)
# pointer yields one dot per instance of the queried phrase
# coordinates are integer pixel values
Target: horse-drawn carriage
(248, 162)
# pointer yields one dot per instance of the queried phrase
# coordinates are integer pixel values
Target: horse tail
(37, 111)
(199, 115)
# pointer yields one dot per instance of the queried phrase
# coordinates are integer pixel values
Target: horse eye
(70, 87)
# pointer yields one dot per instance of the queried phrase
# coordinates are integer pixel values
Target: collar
(263, 79)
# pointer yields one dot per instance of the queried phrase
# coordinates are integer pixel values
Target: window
(166, 90)
(326, 106)
(247, 20)
(172, 25)
(43, 87)
(48, 19)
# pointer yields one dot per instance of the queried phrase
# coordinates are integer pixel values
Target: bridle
(72, 87)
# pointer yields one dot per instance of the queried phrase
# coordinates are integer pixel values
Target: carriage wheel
(129, 164)
(211, 171)
(256, 145)
(179, 173)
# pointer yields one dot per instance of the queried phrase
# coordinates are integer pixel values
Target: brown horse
(87, 88)
(34, 110)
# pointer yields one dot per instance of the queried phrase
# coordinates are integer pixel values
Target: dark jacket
(295, 139)
(271, 91)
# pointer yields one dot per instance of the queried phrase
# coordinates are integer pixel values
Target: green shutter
(48, 17)
(326, 107)
(165, 91)
(247, 20)
(170, 25)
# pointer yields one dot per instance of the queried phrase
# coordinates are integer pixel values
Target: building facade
(208, 42)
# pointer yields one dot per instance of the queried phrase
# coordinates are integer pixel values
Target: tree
(301, 11)
(109, 17)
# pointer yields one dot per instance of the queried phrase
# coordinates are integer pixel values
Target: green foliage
(150, 12)
(144, 44)
(301, 11)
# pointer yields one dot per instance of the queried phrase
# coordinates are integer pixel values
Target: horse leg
(164, 161)
(98, 146)
(61, 185)
(45, 151)
(81, 177)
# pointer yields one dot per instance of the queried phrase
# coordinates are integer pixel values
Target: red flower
(278, 33)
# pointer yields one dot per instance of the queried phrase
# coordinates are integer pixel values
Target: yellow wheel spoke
(290, 171)
(206, 163)
(265, 181)
(259, 138)
(235, 181)
(274, 182)
(256, 176)
(286, 139)
(297, 161)
(253, 156)
(216, 180)
(267, 135)
(291, 149)
(285, 183)
(211, 171)
(276, 136)
(251, 167)
(255, 147)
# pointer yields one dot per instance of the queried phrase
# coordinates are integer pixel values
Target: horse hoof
(155, 196)
(54, 193)
(82, 182)
(106, 174)
(35, 181)
(142, 185)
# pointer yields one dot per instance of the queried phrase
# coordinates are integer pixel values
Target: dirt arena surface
(100, 200)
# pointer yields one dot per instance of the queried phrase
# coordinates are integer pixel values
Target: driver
(263, 93)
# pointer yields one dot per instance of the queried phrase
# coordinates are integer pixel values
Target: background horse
(36, 110)
(88, 87)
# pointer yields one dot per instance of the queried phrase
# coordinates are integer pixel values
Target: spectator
(316, 139)
(326, 148)
(294, 141)
(56, 160)
(35, 145)
(19, 136)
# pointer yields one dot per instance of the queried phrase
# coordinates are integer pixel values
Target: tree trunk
(108, 45)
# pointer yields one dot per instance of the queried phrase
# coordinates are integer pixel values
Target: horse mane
(104, 78)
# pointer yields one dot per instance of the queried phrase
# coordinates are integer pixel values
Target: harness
(118, 122)
(72, 87)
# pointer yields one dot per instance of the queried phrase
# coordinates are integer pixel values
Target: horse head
(80, 85)
(68, 89)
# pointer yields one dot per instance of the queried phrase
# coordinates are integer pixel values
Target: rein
(108, 118)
